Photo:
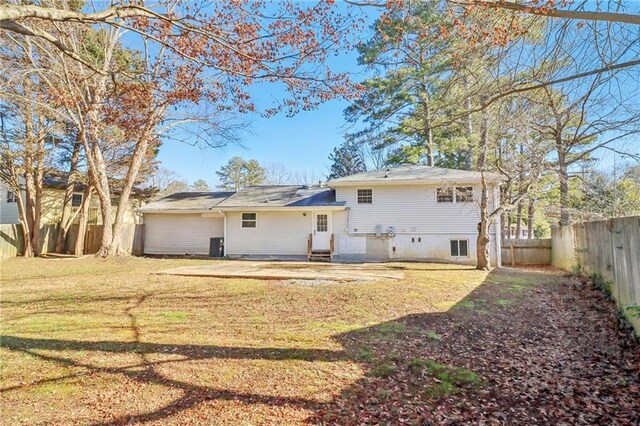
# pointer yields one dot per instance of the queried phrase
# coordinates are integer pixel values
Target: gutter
(172, 211)
(382, 182)
(281, 208)
(219, 210)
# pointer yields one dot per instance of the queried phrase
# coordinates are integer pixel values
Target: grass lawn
(92, 341)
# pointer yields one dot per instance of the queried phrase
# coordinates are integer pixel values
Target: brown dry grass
(94, 341)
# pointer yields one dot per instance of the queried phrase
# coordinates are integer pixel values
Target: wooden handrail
(309, 246)
(331, 245)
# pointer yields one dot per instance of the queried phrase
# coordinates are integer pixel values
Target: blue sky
(302, 142)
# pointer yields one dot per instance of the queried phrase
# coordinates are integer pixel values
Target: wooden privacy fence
(131, 238)
(526, 252)
(609, 248)
(11, 243)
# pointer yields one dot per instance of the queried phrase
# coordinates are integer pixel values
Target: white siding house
(422, 229)
(8, 205)
(404, 213)
(183, 223)
(167, 234)
(277, 233)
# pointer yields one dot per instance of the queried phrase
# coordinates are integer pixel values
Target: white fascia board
(370, 183)
(161, 211)
(281, 208)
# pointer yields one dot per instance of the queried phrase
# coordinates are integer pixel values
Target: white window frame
(243, 220)
(458, 240)
(12, 197)
(358, 198)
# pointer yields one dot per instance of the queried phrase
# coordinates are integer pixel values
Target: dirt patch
(340, 272)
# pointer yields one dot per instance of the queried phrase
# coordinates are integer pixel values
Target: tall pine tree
(346, 159)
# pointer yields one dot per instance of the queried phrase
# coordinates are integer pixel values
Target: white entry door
(321, 230)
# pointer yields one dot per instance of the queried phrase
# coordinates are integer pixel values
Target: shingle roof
(282, 196)
(187, 201)
(253, 196)
(413, 173)
(60, 182)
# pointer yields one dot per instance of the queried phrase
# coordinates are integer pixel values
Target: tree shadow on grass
(145, 371)
(522, 348)
(384, 351)
(485, 359)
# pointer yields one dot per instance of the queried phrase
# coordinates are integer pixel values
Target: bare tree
(277, 173)
(27, 145)
(587, 119)
(191, 73)
(307, 177)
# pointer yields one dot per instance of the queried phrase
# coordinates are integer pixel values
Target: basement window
(11, 197)
(365, 196)
(249, 220)
(459, 248)
(76, 200)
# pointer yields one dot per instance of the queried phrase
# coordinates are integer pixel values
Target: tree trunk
(31, 191)
(427, 125)
(67, 218)
(27, 250)
(530, 218)
(519, 219)
(139, 153)
(563, 176)
(98, 175)
(468, 125)
(482, 244)
(78, 249)
(104, 196)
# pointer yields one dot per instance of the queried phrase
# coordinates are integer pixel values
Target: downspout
(224, 233)
(348, 209)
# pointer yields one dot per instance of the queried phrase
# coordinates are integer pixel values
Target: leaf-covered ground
(106, 342)
(526, 347)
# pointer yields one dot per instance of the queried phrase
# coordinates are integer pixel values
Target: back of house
(409, 212)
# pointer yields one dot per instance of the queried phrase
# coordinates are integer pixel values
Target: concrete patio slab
(343, 272)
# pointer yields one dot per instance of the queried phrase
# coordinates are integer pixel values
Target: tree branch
(34, 32)
(606, 68)
(626, 18)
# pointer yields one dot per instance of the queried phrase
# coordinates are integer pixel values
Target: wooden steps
(320, 256)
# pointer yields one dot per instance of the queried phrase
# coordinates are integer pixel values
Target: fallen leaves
(552, 354)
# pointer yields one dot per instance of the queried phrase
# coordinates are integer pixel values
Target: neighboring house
(406, 212)
(8, 204)
(524, 232)
(53, 199)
